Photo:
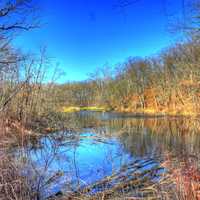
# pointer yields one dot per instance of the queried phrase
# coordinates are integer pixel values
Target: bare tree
(15, 16)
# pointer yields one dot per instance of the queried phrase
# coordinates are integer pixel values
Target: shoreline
(139, 113)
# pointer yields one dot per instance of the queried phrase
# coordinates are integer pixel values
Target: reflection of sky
(89, 157)
(83, 164)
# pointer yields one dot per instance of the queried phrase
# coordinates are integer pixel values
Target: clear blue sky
(83, 35)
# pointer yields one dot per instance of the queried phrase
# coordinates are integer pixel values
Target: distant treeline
(169, 82)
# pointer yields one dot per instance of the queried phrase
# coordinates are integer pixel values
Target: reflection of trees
(146, 136)
(83, 119)
(54, 159)
(155, 136)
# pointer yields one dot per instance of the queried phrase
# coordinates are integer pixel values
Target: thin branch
(12, 27)
(17, 90)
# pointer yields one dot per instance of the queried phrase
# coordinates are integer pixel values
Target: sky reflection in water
(95, 153)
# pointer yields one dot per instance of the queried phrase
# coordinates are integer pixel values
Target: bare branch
(17, 15)
(15, 26)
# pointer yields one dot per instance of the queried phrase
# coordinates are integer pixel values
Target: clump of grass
(93, 108)
(186, 177)
(13, 186)
(71, 109)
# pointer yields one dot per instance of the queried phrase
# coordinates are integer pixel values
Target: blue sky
(83, 35)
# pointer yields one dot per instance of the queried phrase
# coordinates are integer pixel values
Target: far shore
(133, 113)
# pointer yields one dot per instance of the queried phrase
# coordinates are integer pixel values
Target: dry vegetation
(26, 103)
(13, 186)
(166, 84)
(180, 182)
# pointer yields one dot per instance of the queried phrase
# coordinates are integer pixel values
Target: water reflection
(107, 143)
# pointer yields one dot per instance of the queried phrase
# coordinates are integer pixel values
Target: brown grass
(13, 186)
(186, 176)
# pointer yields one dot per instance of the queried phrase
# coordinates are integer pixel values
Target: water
(106, 144)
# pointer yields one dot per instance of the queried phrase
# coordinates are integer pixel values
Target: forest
(164, 84)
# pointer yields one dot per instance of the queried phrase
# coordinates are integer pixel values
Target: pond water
(105, 144)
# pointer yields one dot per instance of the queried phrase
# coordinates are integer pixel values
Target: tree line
(169, 82)
(165, 83)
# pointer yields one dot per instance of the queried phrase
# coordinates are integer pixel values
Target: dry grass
(13, 186)
(186, 177)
